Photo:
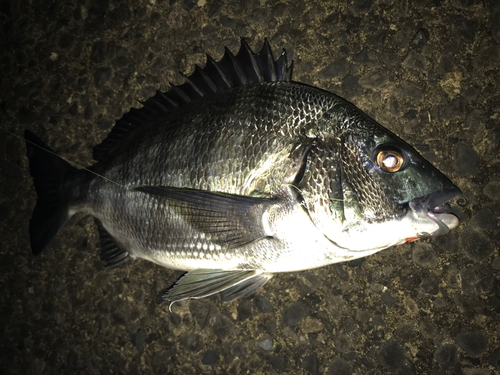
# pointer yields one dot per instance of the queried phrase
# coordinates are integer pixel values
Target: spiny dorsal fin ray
(244, 68)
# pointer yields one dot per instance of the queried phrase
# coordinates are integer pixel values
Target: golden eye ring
(390, 160)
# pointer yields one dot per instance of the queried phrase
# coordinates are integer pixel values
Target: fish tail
(49, 172)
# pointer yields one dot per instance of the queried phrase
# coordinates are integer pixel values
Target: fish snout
(435, 206)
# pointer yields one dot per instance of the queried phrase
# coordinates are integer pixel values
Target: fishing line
(66, 160)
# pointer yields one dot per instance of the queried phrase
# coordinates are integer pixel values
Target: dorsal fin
(244, 68)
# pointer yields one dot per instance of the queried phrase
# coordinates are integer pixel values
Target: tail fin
(51, 211)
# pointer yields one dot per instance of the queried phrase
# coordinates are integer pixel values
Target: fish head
(390, 193)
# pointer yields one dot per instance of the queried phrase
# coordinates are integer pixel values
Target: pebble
(414, 60)
(244, 309)
(334, 69)
(476, 244)
(192, 342)
(485, 219)
(390, 354)
(311, 364)
(446, 355)
(361, 56)
(424, 255)
(492, 190)
(227, 21)
(139, 340)
(476, 279)
(420, 39)
(472, 343)
(342, 343)
(388, 300)
(266, 344)
(494, 359)
(263, 303)
(278, 362)
(466, 28)
(293, 314)
(430, 285)
(339, 367)
(98, 53)
(374, 80)
(163, 356)
(308, 283)
(239, 349)
(101, 76)
(210, 357)
(223, 326)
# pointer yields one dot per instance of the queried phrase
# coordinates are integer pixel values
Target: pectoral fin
(230, 220)
(201, 283)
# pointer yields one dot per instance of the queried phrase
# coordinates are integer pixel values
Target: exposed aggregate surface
(427, 70)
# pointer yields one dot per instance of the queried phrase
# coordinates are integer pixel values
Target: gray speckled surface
(429, 71)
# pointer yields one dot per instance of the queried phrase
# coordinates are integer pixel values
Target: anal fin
(112, 253)
(205, 282)
(245, 288)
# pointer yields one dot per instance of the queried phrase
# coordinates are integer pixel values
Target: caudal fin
(49, 173)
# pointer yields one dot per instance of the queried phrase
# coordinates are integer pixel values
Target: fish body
(241, 173)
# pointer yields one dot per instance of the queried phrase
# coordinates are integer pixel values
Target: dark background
(427, 70)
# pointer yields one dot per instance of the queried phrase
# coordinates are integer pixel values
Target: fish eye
(390, 160)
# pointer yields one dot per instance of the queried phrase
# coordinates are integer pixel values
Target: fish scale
(241, 173)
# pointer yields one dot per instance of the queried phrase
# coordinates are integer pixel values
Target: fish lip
(435, 202)
(434, 205)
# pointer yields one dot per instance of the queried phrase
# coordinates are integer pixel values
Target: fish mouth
(435, 206)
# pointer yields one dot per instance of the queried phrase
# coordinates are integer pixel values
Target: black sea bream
(240, 173)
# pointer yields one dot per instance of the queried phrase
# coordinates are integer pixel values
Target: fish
(241, 173)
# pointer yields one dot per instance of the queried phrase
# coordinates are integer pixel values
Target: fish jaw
(434, 208)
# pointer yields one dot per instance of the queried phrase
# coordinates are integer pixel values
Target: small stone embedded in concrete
(351, 82)
(266, 344)
(484, 219)
(467, 160)
(244, 309)
(163, 356)
(192, 342)
(446, 355)
(388, 300)
(223, 326)
(420, 38)
(424, 255)
(239, 349)
(139, 340)
(210, 357)
(476, 279)
(263, 303)
(278, 362)
(334, 69)
(492, 190)
(339, 366)
(101, 76)
(494, 359)
(430, 285)
(311, 364)
(342, 343)
(390, 354)
(293, 314)
(476, 244)
(308, 283)
(373, 80)
(361, 56)
(472, 343)
(310, 325)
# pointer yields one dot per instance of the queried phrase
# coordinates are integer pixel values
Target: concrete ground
(426, 70)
